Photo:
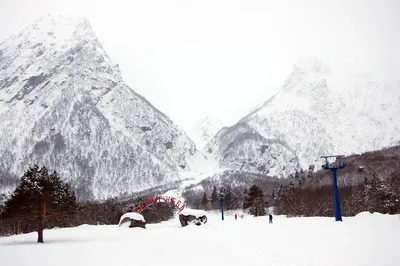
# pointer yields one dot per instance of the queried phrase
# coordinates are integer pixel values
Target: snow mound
(368, 215)
(364, 214)
(132, 215)
(84, 225)
(196, 213)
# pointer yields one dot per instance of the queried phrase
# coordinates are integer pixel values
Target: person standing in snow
(270, 218)
(235, 216)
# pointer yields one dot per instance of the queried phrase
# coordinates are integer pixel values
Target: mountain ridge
(69, 109)
(314, 111)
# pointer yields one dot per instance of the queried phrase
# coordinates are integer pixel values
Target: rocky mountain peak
(316, 112)
(310, 64)
(60, 28)
(63, 104)
(305, 74)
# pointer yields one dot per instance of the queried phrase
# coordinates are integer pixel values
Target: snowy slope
(318, 111)
(363, 240)
(63, 104)
(204, 131)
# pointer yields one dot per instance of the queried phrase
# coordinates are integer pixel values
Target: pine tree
(374, 194)
(214, 198)
(222, 197)
(286, 198)
(228, 198)
(236, 201)
(356, 199)
(204, 201)
(38, 195)
(273, 196)
(231, 200)
(255, 201)
(393, 193)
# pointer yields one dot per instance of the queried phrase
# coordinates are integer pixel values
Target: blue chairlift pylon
(338, 164)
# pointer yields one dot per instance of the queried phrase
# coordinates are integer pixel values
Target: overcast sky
(220, 58)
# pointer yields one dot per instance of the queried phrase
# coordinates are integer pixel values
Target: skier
(270, 218)
(235, 216)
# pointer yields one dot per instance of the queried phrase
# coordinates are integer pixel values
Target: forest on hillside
(369, 182)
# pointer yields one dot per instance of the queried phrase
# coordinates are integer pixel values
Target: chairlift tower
(338, 164)
(221, 203)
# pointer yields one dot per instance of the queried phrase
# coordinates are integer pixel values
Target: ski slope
(367, 239)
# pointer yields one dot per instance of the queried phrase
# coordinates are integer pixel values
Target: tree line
(373, 193)
(251, 200)
(369, 182)
(42, 200)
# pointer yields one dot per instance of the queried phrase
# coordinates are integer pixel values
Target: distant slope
(204, 131)
(318, 111)
(381, 162)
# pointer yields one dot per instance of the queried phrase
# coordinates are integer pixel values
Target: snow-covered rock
(133, 216)
(318, 111)
(63, 104)
(132, 219)
(191, 216)
(195, 213)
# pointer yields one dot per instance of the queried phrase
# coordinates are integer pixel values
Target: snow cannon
(131, 220)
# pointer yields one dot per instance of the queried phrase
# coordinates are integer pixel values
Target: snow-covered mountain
(204, 131)
(63, 104)
(318, 111)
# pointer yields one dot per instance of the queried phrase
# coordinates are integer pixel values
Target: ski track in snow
(367, 239)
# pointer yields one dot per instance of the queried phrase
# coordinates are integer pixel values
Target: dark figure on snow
(270, 218)
(235, 216)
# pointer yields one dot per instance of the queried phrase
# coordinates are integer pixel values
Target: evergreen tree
(214, 198)
(255, 201)
(356, 199)
(236, 202)
(374, 194)
(273, 196)
(222, 196)
(204, 201)
(38, 195)
(393, 193)
(286, 195)
(230, 199)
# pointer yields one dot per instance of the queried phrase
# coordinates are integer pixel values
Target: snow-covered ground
(367, 239)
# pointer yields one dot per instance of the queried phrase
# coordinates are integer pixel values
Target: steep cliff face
(317, 112)
(63, 104)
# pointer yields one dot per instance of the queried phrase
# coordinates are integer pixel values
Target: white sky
(221, 58)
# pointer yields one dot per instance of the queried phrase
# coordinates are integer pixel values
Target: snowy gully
(170, 200)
